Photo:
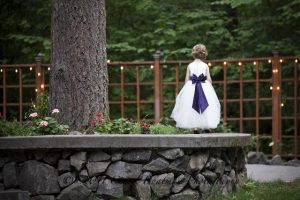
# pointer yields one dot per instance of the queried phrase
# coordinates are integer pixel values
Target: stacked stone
(136, 173)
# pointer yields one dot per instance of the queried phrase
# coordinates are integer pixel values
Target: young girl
(197, 105)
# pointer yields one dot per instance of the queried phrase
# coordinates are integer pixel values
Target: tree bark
(78, 78)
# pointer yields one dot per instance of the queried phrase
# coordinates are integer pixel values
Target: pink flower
(55, 111)
(43, 123)
(33, 115)
(93, 122)
(27, 123)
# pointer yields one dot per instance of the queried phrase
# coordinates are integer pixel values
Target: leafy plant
(223, 127)
(46, 125)
(145, 128)
(117, 126)
(14, 128)
(163, 129)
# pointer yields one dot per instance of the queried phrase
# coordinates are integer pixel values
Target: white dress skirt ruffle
(187, 117)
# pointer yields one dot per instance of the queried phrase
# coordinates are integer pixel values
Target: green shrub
(223, 127)
(48, 126)
(117, 126)
(14, 128)
(42, 125)
(163, 129)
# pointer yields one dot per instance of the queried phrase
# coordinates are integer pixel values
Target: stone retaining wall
(138, 173)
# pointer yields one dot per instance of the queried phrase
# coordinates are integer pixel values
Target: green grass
(253, 190)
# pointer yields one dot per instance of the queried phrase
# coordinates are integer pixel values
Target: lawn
(253, 190)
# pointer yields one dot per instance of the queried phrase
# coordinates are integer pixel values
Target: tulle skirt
(186, 117)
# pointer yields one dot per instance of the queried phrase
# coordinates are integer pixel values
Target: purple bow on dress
(199, 102)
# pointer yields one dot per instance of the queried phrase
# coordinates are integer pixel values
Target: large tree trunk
(78, 79)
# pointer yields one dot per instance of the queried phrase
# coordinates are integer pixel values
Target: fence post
(39, 81)
(276, 104)
(157, 87)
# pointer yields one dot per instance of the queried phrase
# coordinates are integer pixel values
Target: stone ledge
(125, 141)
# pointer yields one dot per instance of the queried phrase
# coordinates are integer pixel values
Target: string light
(1, 70)
(281, 60)
(225, 62)
(39, 74)
(271, 88)
(240, 64)
(282, 104)
(36, 90)
(108, 61)
(151, 66)
(296, 61)
(42, 86)
(48, 68)
(30, 68)
(122, 67)
(269, 61)
(34, 105)
(278, 88)
(254, 63)
(275, 70)
(16, 70)
(209, 64)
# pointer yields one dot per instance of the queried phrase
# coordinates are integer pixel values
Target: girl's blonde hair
(199, 51)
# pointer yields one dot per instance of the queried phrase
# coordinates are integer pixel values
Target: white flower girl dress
(197, 105)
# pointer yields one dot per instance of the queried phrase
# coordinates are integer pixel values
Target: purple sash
(199, 103)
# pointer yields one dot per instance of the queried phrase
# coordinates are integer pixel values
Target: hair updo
(199, 51)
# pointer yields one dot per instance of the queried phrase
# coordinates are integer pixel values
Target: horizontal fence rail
(258, 95)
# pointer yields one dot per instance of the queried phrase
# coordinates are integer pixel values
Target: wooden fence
(267, 88)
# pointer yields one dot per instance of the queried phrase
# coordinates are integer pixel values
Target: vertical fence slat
(38, 75)
(296, 109)
(122, 90)
(257, 107)
(157, 87)
(177, 79)
(138, 100)
(241, 99)
(20, 95)
(4, 94)
(225, 93)
(276, 103)
(161, 79)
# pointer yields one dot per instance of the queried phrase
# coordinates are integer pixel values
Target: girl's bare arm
(187, 75)
(208, 75)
